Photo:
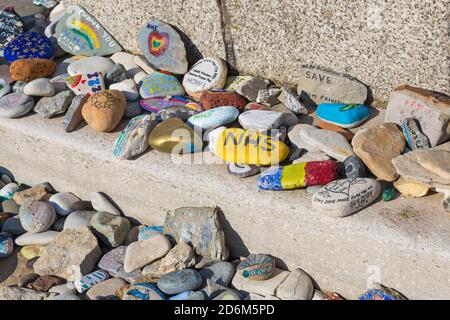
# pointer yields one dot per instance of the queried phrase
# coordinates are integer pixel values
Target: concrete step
(403, 244)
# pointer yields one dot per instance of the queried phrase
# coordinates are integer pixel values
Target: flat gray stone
(48, 107)
(74, 116)
(113, 263)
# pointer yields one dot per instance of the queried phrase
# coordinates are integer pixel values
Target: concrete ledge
(404, 244)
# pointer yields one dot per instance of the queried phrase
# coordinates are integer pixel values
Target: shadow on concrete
(193, 54)
(233, 241)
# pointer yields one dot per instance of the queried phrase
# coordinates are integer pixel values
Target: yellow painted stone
(410, 188)
(294, 176)
(30, 252)
(250, 147)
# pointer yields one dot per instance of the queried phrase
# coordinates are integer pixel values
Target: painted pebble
(414, 137)
(257, 267)
(9, 190)
(29, 45)
(316, 173)
(382, 293)
(88, 83)
(243, 171)
(342, 198)
(6, 244)
(157, 104)
(214, 118)
(354, 167)
(88, 281)
(160, 85)
(143, 292)
(343, 115)
(11, 26)
(149, 232)
(104, 110)
(36, 216)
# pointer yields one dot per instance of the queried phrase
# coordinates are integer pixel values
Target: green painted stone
(389, 194)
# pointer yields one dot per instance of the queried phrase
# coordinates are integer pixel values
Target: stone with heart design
(29, 45)
(160, 85)
(10, 26)
(163, 47)
(86, 83)
(79, 33)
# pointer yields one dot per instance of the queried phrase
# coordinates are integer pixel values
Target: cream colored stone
(141, 253)
(411, 188)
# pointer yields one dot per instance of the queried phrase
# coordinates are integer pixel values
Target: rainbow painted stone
(163, 47)
(160, 85)
(85, 283)
(157, 104)
(306, 174)
(143, 291)
(79, 33)
(343, 115)
(257, 267)
(29, 45)
(6, 244)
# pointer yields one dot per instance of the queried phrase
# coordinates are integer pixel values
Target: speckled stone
(48, 107)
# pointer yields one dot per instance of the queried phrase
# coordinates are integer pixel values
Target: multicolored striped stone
(90, 280)
(306, 174)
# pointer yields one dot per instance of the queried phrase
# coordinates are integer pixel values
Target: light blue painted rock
(160, 85)
(343, 115)
(143, 291)
(6, 245)
(180, 281)
(382, 293)
(149, 232)
(90, 280)
(214, 118)
(29, 45)
(182, 296)
(9, 190)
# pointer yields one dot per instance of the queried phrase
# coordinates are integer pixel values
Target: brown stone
(213, 99)
(332, 127)
(31, 69)
(377, 147)
(37, 193)
(104, 110)
(45, 283)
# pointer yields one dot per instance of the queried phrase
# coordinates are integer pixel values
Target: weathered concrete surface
(383, 43)
(404, 244)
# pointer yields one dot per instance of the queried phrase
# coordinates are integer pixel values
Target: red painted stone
(321, 173)
(213, 99)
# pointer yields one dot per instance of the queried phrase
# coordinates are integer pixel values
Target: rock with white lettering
(323, 85)
(163, 47)
(430, 109)
(79, 33)
(342, 198)
(10, 26)
(413, 134)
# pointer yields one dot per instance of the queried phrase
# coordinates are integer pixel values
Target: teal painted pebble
(146, 233)
(144, 292)
(257, 267)
(90, 280)
(160, 85)
(6, 245)
(343, 115)
(214, 118)
(9, 190)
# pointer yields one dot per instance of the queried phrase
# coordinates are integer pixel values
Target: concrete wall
(383, 43)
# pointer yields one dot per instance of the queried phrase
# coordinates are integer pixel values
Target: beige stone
(35, 193)
(411, 188)
(264, 288)
(22, 294)
(297, 286)
(180, 257)
(106, 290)
(141, 253)
(437, 162)
(377, 146)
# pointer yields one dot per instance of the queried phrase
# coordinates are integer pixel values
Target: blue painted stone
(343, 115)
(271, 179)
(149, 232)
(29, 45)
(180, 281)
(143, 291)
(214, 118)
(6, 245)
(381, 294)
(160, 85)
(181, 296)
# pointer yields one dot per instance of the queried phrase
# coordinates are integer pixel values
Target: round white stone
(90, 65)
(40, 88)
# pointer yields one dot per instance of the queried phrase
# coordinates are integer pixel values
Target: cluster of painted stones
(67, 248)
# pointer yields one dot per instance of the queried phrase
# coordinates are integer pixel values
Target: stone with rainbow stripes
(300, 175)
(79, 33)
(85, 283)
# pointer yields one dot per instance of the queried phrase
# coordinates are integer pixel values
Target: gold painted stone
(410, 188)
(175, 136)
(250, 147)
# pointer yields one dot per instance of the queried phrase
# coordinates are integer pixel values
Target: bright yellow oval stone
(30, 252)
(250, 147)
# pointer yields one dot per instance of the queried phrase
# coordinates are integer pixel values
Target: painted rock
(297, 286)
(116, 74)
(31, 252)
(243, 171)
(414, 136)
(214, 117)
(110, 229)
(299, 175)
(345, 197)
(113, 262)
(246, 86)
(269, 97)
(377, 146)
(143, 292)
(133, 140)
(215, 98)
(15, 105)
(157, 104)
(343, 115)
(175, 136)
(79, 33)
(382, 293)
(163, 47)
(9, 190)
(29, 45)
(180, 281)
(104, 110)
(31, 69)
(39, 88)
(206, 74)
(90, 65)
(48, 107)
(292, 102)
(160, 85)
(354, 167)
(323, 85)
(11, 26)
(389, 194)
(249, 147)
(64, 203)
(261, 120)
(128, 88)
(182, 113)
(332, 127)
(74, 116)
(257, 267)
(78, 218)
(90, 280)
(6, 245)
(430, 109)
(149, 232)
(36, 216)
(142, 253)
(89, 83)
